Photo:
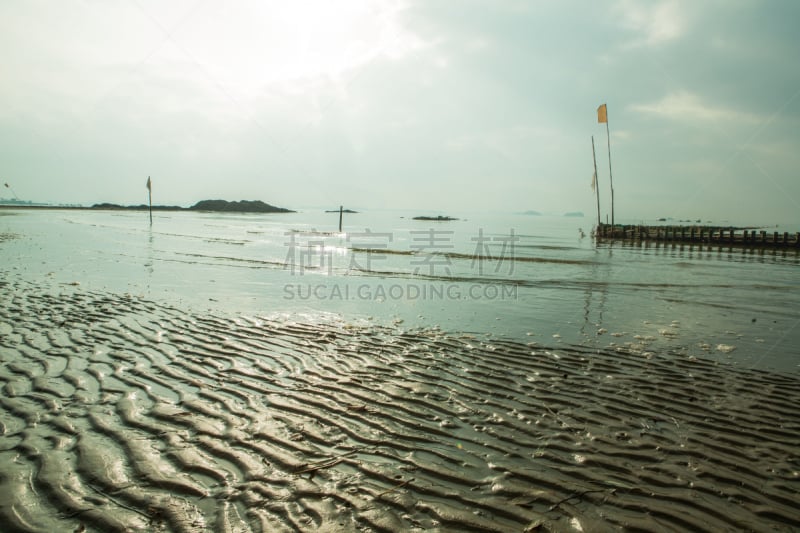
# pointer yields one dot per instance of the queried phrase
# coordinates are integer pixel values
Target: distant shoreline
(213, 206)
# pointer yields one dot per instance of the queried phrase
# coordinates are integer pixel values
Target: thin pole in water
(340, 218)
(596, 184)
(602, 116)
(150, 195)
(610, 176)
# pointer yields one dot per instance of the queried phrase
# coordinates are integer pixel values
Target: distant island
(224, 206)
(440, 218)
(577, 214)
(343, 211)
(533, 213)
(14, 202)
(117, 207)
(243, 206)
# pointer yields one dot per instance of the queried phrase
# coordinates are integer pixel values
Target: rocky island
(439, 218)
(243, 206)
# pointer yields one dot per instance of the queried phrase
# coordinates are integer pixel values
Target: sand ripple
(120, 414)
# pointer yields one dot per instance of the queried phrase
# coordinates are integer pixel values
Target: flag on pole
(602, 114)
(149, 185)
(594, 180)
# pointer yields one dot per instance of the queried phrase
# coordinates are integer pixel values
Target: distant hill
(243, 206)
(533, 213)
(577, 214)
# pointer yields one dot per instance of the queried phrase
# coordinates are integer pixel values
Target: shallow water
(163, 379)
(539, 281)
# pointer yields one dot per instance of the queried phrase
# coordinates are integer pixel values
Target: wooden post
(341, 209)
(775, 238)
(785, 237)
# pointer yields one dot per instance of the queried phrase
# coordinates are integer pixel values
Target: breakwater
(731, 236)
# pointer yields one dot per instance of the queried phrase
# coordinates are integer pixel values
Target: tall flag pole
(150, 195)
(602, 116)
(595, 188)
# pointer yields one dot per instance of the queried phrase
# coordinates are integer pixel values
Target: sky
(440, 106)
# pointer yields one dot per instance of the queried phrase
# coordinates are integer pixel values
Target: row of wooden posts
(699, 234)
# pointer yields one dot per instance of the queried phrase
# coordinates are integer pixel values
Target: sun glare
(282, 42)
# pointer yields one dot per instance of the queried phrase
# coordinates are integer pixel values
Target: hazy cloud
(685, 106)
(653, 23)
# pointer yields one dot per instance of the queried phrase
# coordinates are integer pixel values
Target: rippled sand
(120, 414)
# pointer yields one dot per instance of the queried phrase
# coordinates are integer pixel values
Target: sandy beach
(122, 414)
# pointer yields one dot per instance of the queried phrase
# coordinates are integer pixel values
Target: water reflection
(707, 251)
(150, 254)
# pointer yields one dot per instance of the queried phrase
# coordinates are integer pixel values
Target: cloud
(653, 23)
(685, 106)
(509, 142)
(261, 45)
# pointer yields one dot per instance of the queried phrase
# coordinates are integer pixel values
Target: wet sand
(121, 414)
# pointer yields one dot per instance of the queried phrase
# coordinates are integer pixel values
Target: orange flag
(602, 114)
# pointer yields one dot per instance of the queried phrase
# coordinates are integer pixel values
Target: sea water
(538, 279)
